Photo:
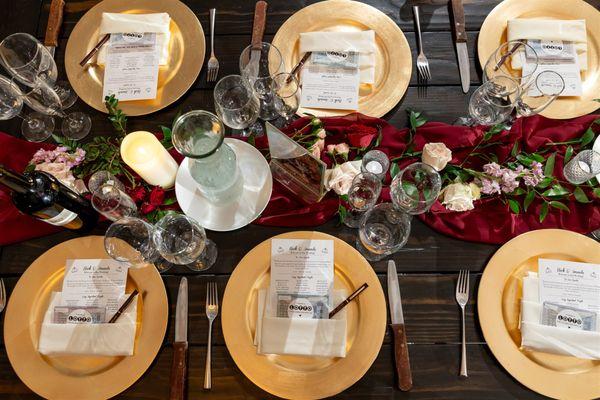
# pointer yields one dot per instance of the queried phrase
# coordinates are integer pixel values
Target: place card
(94, 283)
(131, 67)
(331, 86)
(301, 277)
(572, 284)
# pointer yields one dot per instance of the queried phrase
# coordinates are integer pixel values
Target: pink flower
(339, 179)
(315, 151)
(489, 186)
(342, 148)
(509, 180)
(437, 155)
(321, 134)
(331, 148)
(537, 170)
(531, 180)
(493, 169)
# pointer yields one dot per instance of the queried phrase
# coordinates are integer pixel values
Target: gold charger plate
(493, 34)
(393, 62)
(296, 377)
(498, 306)
(186, 54)
(79, 377)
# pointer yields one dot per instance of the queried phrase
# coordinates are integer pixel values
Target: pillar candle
(144, 154)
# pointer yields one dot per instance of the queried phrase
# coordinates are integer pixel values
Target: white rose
(437, 155)
(458, 197)
(339, 179)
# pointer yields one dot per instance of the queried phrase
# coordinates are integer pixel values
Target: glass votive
(375, 162)
(582, 167)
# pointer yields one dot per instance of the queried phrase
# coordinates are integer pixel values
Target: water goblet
(100, 178)
(539, 94)
(362, 195)
(415, 188)
(493, 102)
(182, 241)
(236, 105)
(287, 92)
(375, 162)
(113, 203)
(582, 167)
(259, 64)
(508, 61)
(383, 230)
(130, 240)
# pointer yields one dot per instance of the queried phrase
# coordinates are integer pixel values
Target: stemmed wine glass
(508, 61)
(287, 93)
(362, 195)
(109, 197)
(236, 104)
(259, 64)
(130, 240)
(539, 94)
(182, 241)
(493, 102)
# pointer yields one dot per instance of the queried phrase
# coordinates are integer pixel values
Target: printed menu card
(301, 278)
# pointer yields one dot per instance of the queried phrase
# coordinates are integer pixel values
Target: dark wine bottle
(42, 196)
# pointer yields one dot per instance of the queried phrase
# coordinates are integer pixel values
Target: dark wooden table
(427, 265)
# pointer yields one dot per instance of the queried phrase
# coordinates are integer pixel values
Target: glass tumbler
(362, 195)
(199, 135)
(582, 167)
(130, 240)
(375, 162)
(383, 230)
(415, 188)
(182, 241)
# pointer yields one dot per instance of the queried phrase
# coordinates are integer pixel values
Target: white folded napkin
(551, 339)
(116, 339)
(362, 42)
(158, 23)
(549, 29)
(297, 336)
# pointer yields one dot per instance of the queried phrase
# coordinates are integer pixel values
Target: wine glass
(539, 94)
(508, 61)
(259, 64)
(493, 102)
(287, 92)
(582, 167)
(415, 188)
(130, 240)
(383, 230)
(236, 104)
(113, 203)
(100, 178)
(182, 241)
(362, 195)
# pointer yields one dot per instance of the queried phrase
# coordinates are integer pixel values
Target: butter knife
(180, 346)
(400, 346)
(460, 39)
(55, 19)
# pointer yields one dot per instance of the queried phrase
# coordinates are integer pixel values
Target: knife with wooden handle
(258, 31)
(400, 345)
(460, 40)
(180, 346)
(55, 19)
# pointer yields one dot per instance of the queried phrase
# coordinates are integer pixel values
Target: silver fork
(462, 296)
(212, 309)
(2, 295)
(213, 63)
(422, 63)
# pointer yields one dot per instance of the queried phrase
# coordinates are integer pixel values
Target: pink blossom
(509, 180)
(489, 186)
(493, 169)
(321, 134)
(537, 170)
(342, 148)
(315, 151)
(330, 148)
(531, 180)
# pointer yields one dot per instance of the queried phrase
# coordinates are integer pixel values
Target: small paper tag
(337, 59)
(78, 315)
(568, 317)
(551, 50)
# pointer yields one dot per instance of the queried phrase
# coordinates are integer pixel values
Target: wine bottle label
(63, 218)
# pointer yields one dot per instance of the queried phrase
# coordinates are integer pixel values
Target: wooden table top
(427, 265)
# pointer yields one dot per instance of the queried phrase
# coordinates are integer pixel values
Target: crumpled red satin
(491, 221)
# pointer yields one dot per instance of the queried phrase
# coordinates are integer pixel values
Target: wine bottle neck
(14, 181)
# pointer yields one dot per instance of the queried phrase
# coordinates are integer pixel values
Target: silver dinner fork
(213, 63)
(212, 309)
(422, 63)
(2, 295)
(462, 296)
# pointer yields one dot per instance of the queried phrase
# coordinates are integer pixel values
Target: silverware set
(462, 297)
(212, 310)
(213, 63)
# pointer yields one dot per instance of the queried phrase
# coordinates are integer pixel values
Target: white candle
(144, 154)
(374, 167)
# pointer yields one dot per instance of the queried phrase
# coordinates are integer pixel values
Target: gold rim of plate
(393, 66)
(79, 377)
(498, 306)
(187, 48)
(296, 377)
(493, 34)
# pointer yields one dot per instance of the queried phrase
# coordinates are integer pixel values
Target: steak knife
(400, 346)
(258, 30)
(460, 39)
(55, 19)
(180, 346)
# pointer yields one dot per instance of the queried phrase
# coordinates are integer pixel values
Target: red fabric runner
(490, 222)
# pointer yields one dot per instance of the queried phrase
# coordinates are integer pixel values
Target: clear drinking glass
(182, 241)
(259, 64)
(287, 95)
(375, 162)
(508, 55)
(100, 178)
(383, 230)
(236, 104)
(362, 195)
(582, 167)
(199, 135)
(493, 102)
(415, 188)
(113, 203)
(539, 94)
(130, 240)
